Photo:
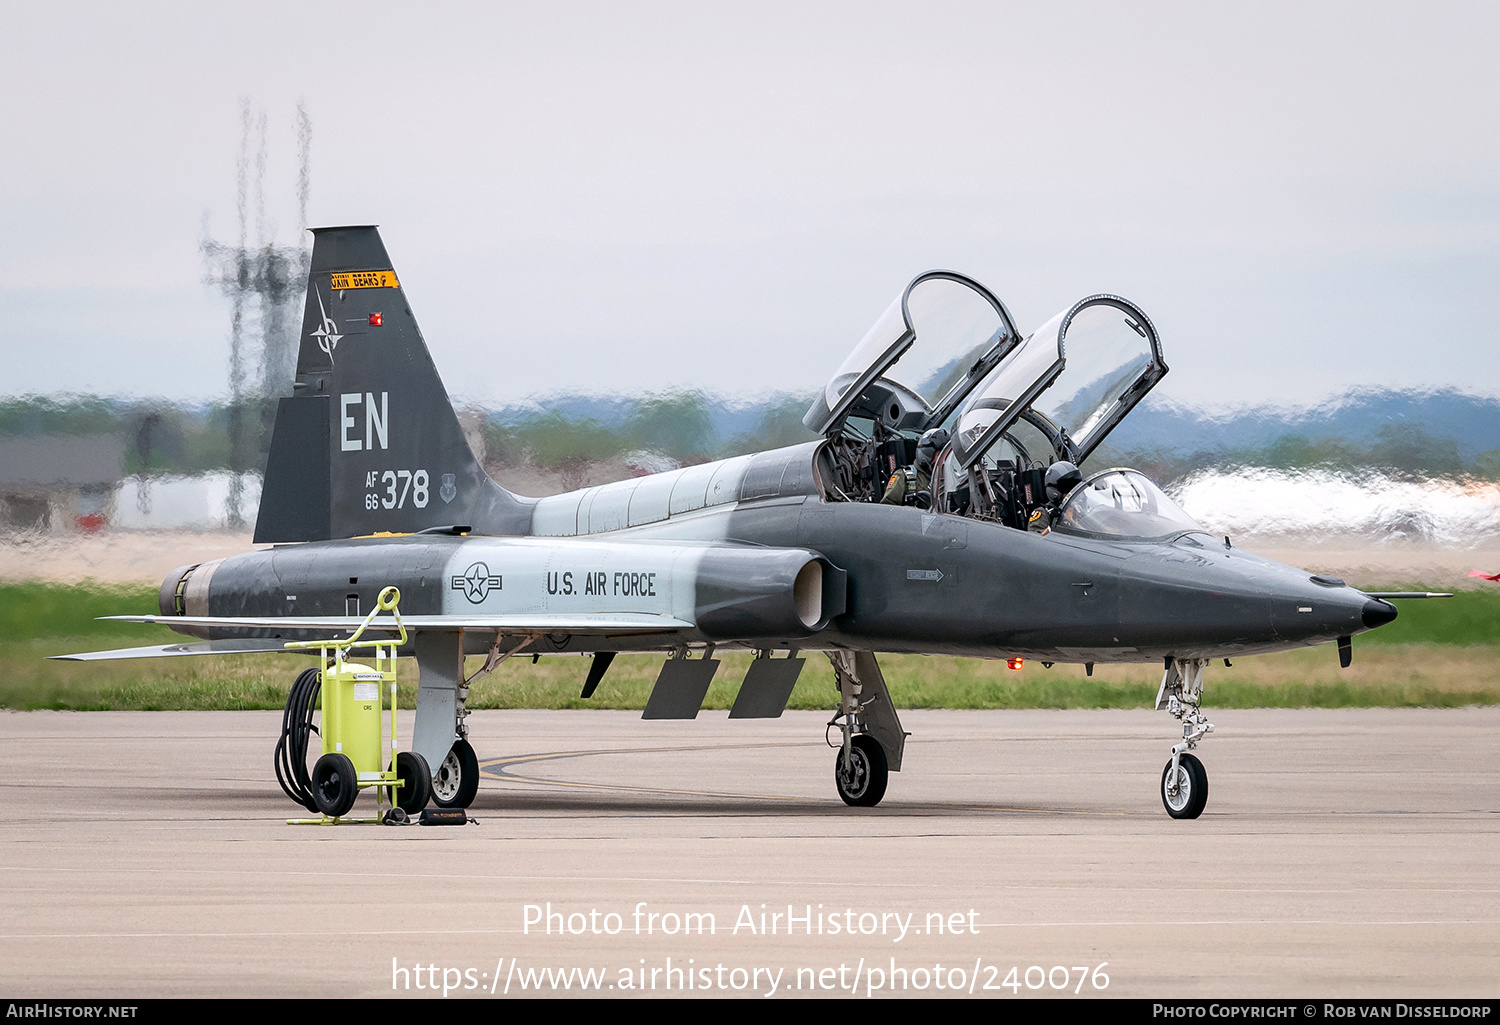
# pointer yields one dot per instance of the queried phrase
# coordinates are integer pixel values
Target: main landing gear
(457, 779)
(860, 772)
(872, 741)
(1184, 781)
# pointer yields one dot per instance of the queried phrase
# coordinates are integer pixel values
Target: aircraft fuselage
(913, 582)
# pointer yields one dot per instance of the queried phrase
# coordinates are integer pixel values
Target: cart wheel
(335, 784)
(416, 789)
(457, 779)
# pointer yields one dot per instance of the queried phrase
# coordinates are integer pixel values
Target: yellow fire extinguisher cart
(353, 697)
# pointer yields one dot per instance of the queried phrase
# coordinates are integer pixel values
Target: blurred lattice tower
(265, 283)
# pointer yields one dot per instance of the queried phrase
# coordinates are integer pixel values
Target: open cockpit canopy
(1018, 416)
(946, 330)
(1073, 380)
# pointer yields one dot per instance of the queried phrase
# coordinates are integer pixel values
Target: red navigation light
(375, 320)
(1015, 663)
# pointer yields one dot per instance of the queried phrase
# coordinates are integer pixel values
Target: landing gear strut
(872, 738)
(456, 781)
(1184, 781)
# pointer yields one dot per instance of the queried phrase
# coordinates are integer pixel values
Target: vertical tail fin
(369, 440)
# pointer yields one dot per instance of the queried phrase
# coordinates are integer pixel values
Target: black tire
(335, 785)
(457, 779)
(864, 785)
(1192, 788)
(416, 787)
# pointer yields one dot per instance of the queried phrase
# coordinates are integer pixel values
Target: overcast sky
(1304, 197)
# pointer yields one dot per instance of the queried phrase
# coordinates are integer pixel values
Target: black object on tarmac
(445, 817)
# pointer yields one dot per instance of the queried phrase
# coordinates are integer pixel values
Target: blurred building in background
(53, 482)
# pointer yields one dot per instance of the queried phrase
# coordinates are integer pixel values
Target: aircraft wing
(577, 623)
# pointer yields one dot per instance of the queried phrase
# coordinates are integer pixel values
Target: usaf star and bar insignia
(476, 583)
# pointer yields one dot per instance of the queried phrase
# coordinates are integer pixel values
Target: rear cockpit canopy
(947, 330)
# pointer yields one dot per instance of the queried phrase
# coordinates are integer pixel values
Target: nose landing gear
(1184, 787)
(1184, 781)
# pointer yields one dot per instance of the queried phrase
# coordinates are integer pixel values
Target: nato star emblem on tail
(327, 332)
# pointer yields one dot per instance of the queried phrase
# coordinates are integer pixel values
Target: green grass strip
(1440, 653)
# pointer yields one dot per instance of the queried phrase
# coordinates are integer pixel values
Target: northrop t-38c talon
(942, 512)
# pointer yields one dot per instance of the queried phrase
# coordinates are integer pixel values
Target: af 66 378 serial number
(391, 489)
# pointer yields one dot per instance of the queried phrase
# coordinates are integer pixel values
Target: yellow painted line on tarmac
(551, 755)
(660, 790)
(495, 768)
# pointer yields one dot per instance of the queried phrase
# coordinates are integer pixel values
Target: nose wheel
(1184, 787)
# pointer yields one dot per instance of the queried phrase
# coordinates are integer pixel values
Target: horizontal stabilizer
(236, 646)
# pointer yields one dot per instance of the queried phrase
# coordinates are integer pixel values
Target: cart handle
(389, 601)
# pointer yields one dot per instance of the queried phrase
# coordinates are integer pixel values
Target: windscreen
(1021, 443)
(1123, 503)
(1029, 366)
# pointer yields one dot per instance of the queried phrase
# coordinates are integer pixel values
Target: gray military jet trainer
(983, 541)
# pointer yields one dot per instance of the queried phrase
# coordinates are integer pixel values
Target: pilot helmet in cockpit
(928, 446)
(1062, 478)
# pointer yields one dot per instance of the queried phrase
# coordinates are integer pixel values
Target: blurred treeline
(1403, 433)
(1442, 434)
(159, 436)
(552, 434)
(683, 426)
(1404, 450)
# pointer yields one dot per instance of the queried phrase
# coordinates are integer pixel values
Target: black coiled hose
(296, 727)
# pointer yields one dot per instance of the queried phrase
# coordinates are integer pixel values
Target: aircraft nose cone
(1378, 613)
